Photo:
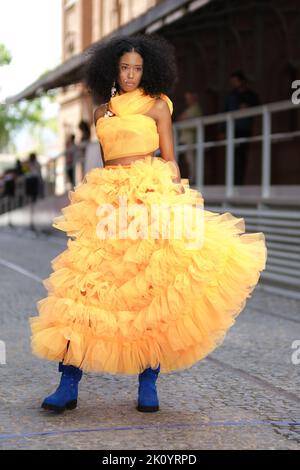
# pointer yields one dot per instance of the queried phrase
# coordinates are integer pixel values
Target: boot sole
(147, 409)
(59, 409)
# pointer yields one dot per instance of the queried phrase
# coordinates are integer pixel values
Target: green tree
(5, 56)
(29, 114)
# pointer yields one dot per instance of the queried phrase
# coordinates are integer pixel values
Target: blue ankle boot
(65, 396)
(147, 399)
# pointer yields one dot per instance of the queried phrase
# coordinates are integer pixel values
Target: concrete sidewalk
(245, 395)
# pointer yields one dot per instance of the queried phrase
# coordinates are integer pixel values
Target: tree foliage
(29, 114)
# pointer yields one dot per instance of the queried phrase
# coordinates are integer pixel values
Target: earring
(113, 89)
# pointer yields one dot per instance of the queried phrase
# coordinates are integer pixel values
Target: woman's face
(130, 71)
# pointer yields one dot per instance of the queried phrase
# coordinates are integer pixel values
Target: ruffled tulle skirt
(148, 277)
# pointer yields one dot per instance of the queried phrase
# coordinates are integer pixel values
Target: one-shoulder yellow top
(129, 131)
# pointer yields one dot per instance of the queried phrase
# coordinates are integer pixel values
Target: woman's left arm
(165, 131)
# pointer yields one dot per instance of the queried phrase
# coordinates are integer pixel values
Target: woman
(34, 180)
(121, 300)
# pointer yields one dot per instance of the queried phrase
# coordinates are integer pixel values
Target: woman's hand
(177, 180)
(179, 187)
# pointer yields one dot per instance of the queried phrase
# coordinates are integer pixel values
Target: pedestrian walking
(34, 180)
(71, 153)
(241, 97)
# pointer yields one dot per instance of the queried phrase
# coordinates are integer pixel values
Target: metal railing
(281, 228)
(16, 198)
(56, 180)
(266, 138)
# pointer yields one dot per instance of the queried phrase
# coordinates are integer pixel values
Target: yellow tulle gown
(121, 301)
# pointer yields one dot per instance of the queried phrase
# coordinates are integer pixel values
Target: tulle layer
(122, 305)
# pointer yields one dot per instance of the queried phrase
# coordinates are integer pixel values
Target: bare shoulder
(160, 110)
(161, 105)
(99, 112)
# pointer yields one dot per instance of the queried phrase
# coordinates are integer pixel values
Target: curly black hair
(101, 69)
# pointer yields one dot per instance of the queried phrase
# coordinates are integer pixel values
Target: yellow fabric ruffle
(128, 304)
(129, 124)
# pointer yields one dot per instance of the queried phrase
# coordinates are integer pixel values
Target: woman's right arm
(166, 144)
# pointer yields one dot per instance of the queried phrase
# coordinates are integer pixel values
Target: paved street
(246, 395)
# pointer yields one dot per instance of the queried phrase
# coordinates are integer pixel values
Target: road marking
(149, 426)
(20, 270)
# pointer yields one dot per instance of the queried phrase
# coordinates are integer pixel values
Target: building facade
(84, 23)
(212, 38)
